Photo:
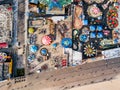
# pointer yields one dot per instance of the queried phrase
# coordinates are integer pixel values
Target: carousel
(89, 50)
(66, 42)
(44, 51)
(94, 11)
(112, 18)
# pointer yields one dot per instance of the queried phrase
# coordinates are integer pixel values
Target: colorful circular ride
(112, 16)
(94, 11)
(83, 38)
(46, 40)
(66, 42)
(89, 50)
(43, 51)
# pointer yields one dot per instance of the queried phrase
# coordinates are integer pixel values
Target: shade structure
(33, 48)
(44, 51)
(54, 45)
(66, 42)
(31, 30)
(46, 40)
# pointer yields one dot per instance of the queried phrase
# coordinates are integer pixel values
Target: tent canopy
(33, 48)
(31, 57)
(46, 40)
(31, 30)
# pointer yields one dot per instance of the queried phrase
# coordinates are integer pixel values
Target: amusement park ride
(4, 57)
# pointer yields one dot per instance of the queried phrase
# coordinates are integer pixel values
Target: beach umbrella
(44, 51)
(66, 42)
(46, 40)
(31, 30)
(33, 48)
